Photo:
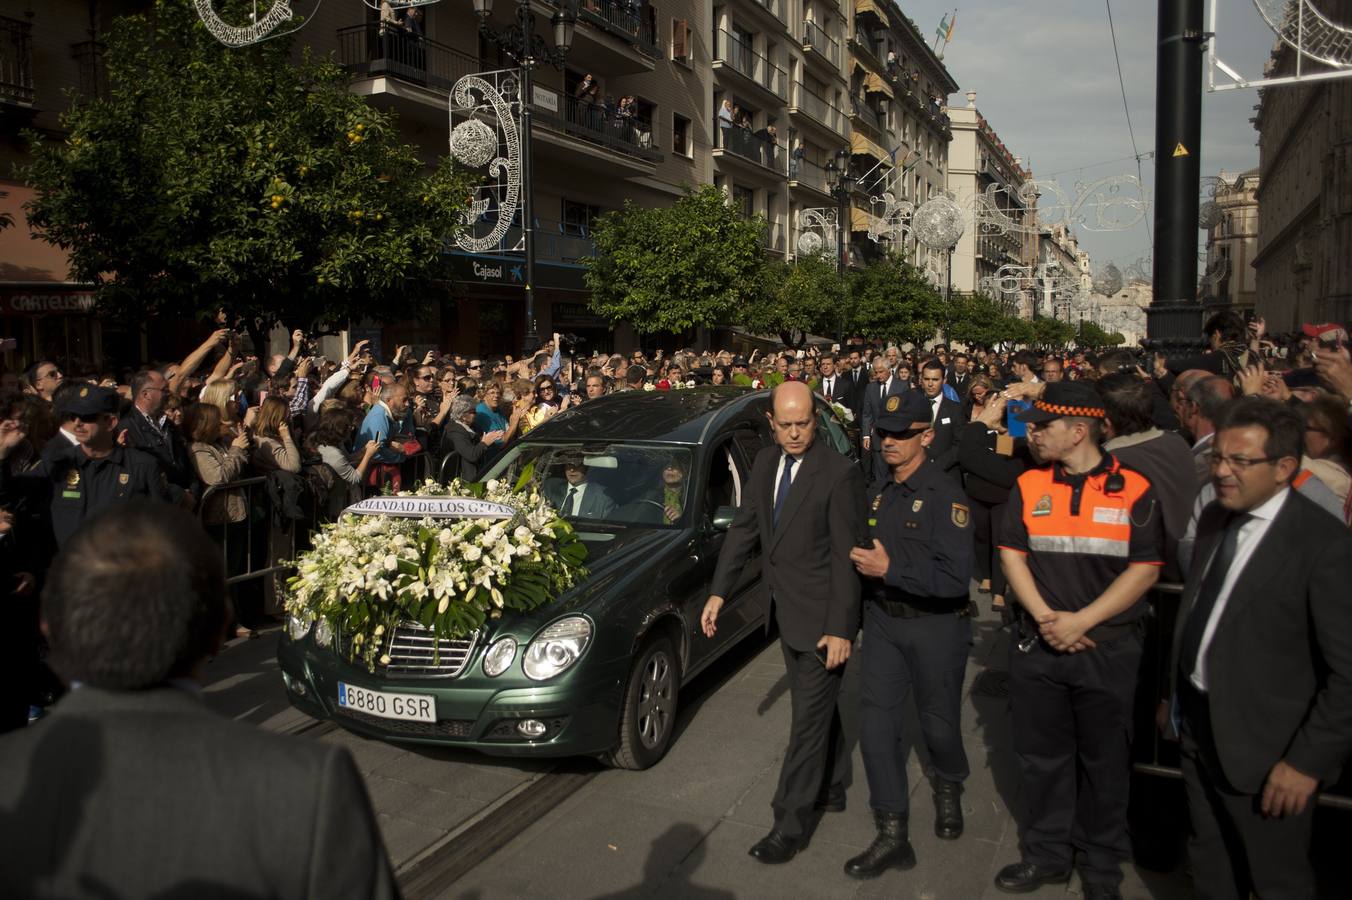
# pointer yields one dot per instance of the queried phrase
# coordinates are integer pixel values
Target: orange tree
(241, 179)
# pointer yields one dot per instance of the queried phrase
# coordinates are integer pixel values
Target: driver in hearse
(574, 496)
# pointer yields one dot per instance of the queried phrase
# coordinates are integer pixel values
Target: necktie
(934, 408)
(1208, 593)
(829, 383)
(882, 391)
(569, 502)
(785, 482)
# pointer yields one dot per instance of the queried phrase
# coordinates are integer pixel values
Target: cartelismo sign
(432, 507)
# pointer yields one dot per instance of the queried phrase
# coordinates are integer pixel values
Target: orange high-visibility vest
(1099, 523)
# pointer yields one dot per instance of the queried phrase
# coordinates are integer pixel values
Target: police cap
(1065, 398)
(902, 412)
(89, 400)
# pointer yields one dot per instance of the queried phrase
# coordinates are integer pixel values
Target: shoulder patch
(961, 515)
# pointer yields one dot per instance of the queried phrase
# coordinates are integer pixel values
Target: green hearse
(599, 671)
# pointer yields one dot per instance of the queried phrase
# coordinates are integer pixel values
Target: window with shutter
(680, 39)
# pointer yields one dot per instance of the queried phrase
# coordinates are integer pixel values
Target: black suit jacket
(806, 558)
(1279, 668)
(872, 405)
(149, 794)
(167, 447)
(841, 390)
(944, 448)
(960, 386)
(458, 440)
(856, 395)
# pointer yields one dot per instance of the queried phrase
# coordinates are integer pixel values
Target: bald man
(802, 512)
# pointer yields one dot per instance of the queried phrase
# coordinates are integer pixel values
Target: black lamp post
(841, 184)
(522, 44)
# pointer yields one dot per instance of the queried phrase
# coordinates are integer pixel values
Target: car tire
(648, 716)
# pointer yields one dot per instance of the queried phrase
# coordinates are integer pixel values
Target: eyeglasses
(473, 367)
(54, 373)
(1238, 463)
(425, 377)
(546, 387)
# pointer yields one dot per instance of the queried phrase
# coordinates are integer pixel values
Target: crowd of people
(1063, 484)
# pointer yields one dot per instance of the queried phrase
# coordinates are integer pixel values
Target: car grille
(415, 652)
(445, 728)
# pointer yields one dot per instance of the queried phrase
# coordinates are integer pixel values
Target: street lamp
(841, 185)
(522, 44)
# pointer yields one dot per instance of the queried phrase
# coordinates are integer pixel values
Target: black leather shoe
(1022, 877)
(776, 847)
(889, 850)
(947, 809)
(832, 801)
(1100, 891)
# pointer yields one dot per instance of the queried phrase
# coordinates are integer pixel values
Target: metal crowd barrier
(1152, 753)
(262, 554)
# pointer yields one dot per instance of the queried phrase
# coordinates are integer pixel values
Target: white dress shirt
(779, 472)
(1250, 536)
(828, 383)
(934, 407)
(580, 490)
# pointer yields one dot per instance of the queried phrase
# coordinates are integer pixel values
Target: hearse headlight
(556, 648)
(323, 633)
(297, 627)
(499, 657)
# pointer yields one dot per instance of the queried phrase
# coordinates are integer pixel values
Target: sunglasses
(906, 435)
(89, 418)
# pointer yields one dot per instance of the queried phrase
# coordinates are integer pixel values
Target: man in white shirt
(1262, 661)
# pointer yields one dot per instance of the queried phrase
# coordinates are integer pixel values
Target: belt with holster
(902, 605)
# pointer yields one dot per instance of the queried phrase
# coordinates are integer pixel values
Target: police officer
(1081, 543)
(917, 631)
(82, 479)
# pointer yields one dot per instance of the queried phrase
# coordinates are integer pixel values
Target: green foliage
(805, 298)
(1092, 336)
(975, 319)
(1051, 333)
(214, 177)
(890, 299)
(695, 263)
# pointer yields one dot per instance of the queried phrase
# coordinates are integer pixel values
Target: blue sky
(1045, 80)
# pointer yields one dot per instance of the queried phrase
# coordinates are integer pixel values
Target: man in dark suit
(959, 376)
(574, 496)
(945, 419)
(804, 509)
(884, 385)
(856, 376)
(131, 786)
(833, 386)
(145, 428)
(1262, 661)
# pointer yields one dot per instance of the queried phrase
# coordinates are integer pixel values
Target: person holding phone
(917, 566)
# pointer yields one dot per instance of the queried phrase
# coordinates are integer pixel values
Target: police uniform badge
(893, 404)
(84, 392)
(961, 515)
(915, 507)
(123, 478)
(1044, 506)
(72, 478)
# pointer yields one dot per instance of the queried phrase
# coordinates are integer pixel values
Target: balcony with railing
(555, 241)
(648, 41)
(864, 112)
(617, 18)
(732, 52)
(820, 44)
(815, 107)
(16, 62)
(367, 52)
(806, 173)
(757, 147)
(601, 125)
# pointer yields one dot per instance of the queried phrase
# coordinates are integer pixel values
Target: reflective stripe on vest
(1103, 524)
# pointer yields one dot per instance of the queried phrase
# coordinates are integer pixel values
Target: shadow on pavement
(659, 866)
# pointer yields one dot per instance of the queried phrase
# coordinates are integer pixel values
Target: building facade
(759, 97)
(1302, 267)
(980, 164)
(1229, 279)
